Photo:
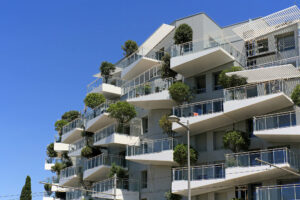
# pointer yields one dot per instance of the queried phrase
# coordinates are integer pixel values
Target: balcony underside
(160, 100)
(61, 147)
(117, 139)
(71, 136)
(159, 158)
(108, 90)
(56, 188)
(287, 134)
(96, 173)
(99, 122)
(138, 67)
(198, 62)
(234, 177)
(121, 194)
(236, 110)
(70, 181)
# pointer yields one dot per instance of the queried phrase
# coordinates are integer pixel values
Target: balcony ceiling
(287, 134)
(72, 136)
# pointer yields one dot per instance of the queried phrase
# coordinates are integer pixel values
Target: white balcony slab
(108, 90)
(96, 173)
(56, 188)
(286, 134)
(61, 147)
(71, 136)
(122, 194)
(117, 139)
(159, 158)
(69, 181)
(48, 166)
(48, 198)
(198, 62)
(99, 122)
(160, 100)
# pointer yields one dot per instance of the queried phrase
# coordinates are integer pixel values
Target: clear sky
(49, 50)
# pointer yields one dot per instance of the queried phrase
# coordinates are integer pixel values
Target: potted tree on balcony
(147, 89)
(50, 151)
(166, 71)
(231, 81)
(70, 115)
(106, 70)
(296, 95)
(180, 155)
(183, 34)
(180, 92)
(92, 100)
(129, 47)
(59, 124)
(166, 125)
(236, 141)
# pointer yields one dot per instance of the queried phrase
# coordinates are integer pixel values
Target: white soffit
(268, 73)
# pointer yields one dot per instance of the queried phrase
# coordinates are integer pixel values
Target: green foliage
(47, 188)
(66, 160)
(115, 169)
(26, 190)
(166, 71)
(236, 141)
(59, 124)
(89, 152)
(107, 69)
(165, 124)
(231, 81)
(50, 151)
(57, 168)
(70, 115)
(129, 47)
(122, 111)
(180, 92)
(296, 95)
(183, 33)
(92, 100)
(170, 196)
(180, 154)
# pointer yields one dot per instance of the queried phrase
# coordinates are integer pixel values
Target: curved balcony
(278, 192)
(98, 167)
(153, 152)
(75, 149)
(125, 189)
(72, 131)
(69, 176)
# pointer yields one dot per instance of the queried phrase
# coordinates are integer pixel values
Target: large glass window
(286, 42)
(217, 86)
(201, 84)
(144, 179)
(262, 45)
(145, 124)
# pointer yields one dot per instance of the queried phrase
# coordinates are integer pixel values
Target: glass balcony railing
(278, 192)
(118, 82)
(77, 123)
(77, 145)
(74, 195)
(68, 172)
(152, 146)
(273, 156)
(104, 133)
(107, 160)
(123, 184)
(274, 121)
(93, 113)
(52, 160)
(204, 172)
(199, 108)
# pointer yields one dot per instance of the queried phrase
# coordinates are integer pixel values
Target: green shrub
(70, 115)
(89, 152)
(231, 81)
(129, 47)
(115, 169)
(296, 95)
(59, 124)
(106, 70)
(50, 151)
(57, 168)
(170, 196)
(165, 124)
(180, 92)
(183, 34)
(180, 154)
(26, 190)
(47, 188)
(236, 141)
(66, 160)
(92, 100)
(166, 71)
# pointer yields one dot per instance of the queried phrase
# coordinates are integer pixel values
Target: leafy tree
(92, 100)
(180, 92)
(47, 188)
(170, 196)
(231, 81)
(66, 160)
(123, 112)
(26, 190)
(183, 34)
(57, 168)
(129, 47)
(236, 141)
(50, 151)
(296, 95)
(180, 154)
(165, 124)
(115, 169)
(166, 71)
(107, 69)
(70, 115)
(59, 124)
(89, 152)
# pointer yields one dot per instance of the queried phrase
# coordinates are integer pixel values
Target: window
(262, 45)
(286, 42)
(144, 179)
(250, 48)
(217, 86)
(201, 84)
(159, 54)
(200, 140)
(218, 140)
(251, 64)
(145, 124)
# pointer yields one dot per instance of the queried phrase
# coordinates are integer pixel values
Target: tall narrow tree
(26, 190)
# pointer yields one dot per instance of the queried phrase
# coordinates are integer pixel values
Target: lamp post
(175, 119)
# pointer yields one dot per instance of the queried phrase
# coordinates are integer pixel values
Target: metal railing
(77, 123)
(203, 172)
(52, 160)
(77, 145)
(104, 133)
(294, 60)
(274, 121)
(68, 172)
(106, 160)
(273, 156)
(123, 184)
(152, 146)
(278, 192)
(74, 195)
(199, 108)
(118, 82)
(99, 110)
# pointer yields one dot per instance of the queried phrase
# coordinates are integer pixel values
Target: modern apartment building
(267, 48)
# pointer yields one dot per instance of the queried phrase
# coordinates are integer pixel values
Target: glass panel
(284, 120)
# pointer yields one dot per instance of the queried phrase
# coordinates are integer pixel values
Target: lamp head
(173, 118)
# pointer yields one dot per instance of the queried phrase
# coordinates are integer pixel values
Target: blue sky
(49, 51)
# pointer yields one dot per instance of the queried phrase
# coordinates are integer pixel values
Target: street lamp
(175, 119)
